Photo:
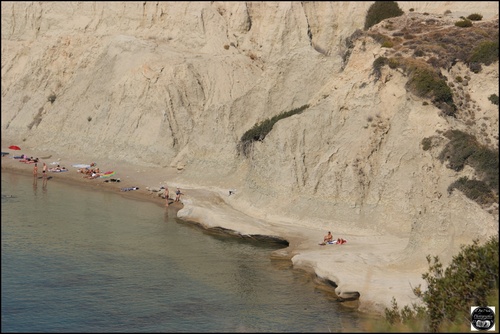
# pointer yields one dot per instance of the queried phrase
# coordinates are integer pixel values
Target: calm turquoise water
(78, 260)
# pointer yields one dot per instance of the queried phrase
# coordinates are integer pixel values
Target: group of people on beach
(44, 174)
(166, 195)
(92, 172)
(44, 170)
(28, 160)
(58, 168)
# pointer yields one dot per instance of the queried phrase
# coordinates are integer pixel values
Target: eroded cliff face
(176, 84)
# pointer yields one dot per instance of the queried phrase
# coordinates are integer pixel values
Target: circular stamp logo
(483, 318)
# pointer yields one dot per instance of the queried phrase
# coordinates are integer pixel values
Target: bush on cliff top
(484, 53)
(380, 11)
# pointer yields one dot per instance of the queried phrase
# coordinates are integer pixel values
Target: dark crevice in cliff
(349, 43)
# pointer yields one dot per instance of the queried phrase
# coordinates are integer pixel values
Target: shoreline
(363, 274)
(73, 177)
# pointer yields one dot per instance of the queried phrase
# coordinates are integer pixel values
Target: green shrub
(393, 63)
(470, 279)
(51, 98)
(418, 53)
(460, 147)
(426, 143)
(380, 38)
(485, 52)
(259, 131)
(463, 149)
(475, 67)
(377, 66)
(447, 109)
(464, 23)
(486, 164)
(387, 44)
(475, 17)
(493, 98)
(475, 190)
(427, 83)
(381, 10)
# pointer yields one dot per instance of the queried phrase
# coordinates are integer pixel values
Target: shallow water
(80, 260)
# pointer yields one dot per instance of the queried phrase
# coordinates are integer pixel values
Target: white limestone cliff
(176, 85)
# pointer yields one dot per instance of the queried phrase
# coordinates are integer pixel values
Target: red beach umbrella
(14, 147)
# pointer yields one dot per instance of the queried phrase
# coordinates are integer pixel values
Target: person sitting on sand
(55, 169)
(328, 237)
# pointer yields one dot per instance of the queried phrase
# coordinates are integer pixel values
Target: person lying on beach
(341, 241)
(56, 169)
(93, 175)
(129, 189)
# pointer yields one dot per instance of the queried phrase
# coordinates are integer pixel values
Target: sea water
(81, 260)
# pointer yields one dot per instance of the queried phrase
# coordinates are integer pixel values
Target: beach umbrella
(14, 147)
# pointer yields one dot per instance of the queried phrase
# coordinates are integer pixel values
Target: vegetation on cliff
(472, 277)
(470, 280)
(422, 54)
(380, 11)
(259, 131)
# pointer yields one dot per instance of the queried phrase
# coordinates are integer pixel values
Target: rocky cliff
(177, 84)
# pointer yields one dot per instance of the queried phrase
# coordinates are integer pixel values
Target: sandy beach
(364, 270)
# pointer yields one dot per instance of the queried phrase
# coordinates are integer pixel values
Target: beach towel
(334, 242)
(129, 189)
(81, 166)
